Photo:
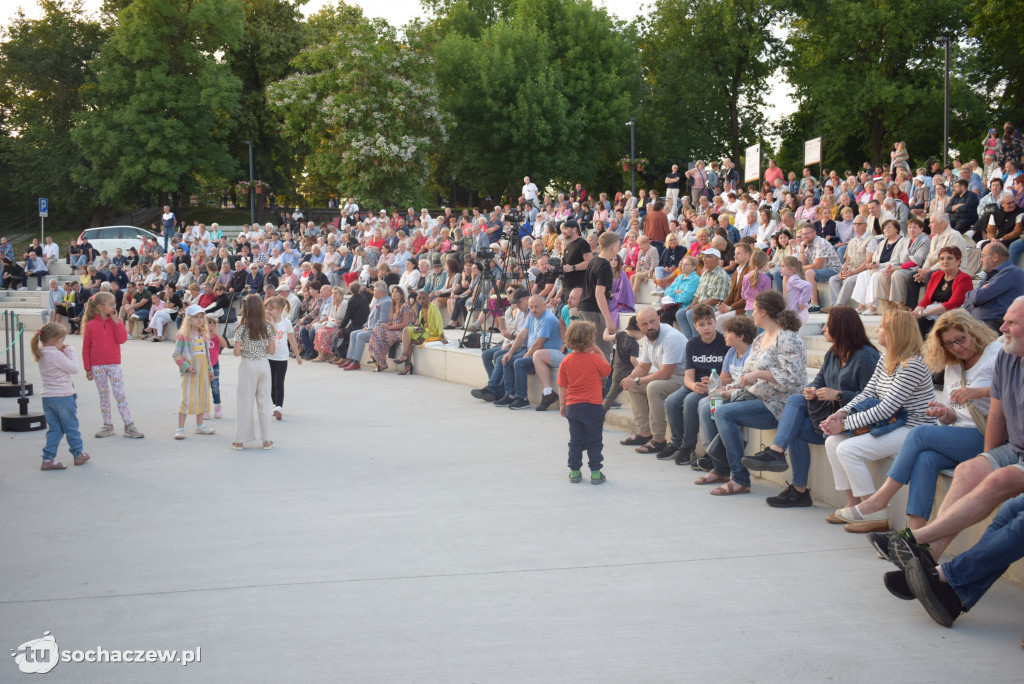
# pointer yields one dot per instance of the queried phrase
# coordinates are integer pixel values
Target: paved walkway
(403, 532)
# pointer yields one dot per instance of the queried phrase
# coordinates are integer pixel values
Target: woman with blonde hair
(900, 388)
(964, 349)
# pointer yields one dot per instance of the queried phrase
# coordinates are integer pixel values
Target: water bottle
(714, 392)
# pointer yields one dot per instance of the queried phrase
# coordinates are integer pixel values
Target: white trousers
(848, 457)
(253, 388)
(159, 320)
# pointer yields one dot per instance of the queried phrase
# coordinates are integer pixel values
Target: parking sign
(44, 207)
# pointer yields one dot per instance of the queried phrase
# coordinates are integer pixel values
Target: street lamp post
(252, 190)
(944, 40)
(632, 153)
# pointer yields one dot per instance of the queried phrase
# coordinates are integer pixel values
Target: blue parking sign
(44, 205)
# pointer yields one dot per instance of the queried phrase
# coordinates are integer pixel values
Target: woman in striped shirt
(901, 381)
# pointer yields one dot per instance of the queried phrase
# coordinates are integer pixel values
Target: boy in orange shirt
(580, 381)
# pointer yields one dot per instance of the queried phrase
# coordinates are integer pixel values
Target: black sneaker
(546, 401)
(766, 459)
(880, 540)
(503, 402)
(937, 597)
(669, 452)
(485, 394)
(896, 583)
(518, 404)
(790, 497)
(683, 455)
(704, 464)
(903, 549)
(814, 308)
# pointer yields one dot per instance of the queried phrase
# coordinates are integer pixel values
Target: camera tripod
(512, 267)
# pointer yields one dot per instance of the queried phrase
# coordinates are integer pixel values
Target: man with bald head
(541, 332)
(979, 486)
(659, 373)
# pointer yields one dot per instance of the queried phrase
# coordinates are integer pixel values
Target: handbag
(819, 410)
(980, 419)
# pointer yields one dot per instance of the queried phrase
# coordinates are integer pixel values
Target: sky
(398, 12)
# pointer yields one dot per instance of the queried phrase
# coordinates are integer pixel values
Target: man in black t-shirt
(672, 189)
(597, 290)
(577, 254)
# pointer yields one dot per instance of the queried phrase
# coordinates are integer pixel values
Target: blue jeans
(306, 335)
(1016, 249)
(776, 275)
(508, 378)
(729, 419)
(495, 371)
(80, 260)
(681, 411)
(62, 418)
(522, 367)
(975, 570)
(215, 385)
(927, 450)
(586, 424)
(684, 319)
(794, 434)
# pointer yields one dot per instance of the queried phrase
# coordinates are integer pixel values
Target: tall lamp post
(944, 40)
(252, 190)
(632, 153)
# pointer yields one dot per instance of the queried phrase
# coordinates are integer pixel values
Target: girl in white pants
(254, 341)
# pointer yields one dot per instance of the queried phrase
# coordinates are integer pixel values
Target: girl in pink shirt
(103, 333)
(57, 363)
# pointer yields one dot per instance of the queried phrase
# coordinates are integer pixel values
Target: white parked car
(110, 238)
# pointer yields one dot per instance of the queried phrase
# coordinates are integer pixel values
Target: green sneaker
(597, 477)
(575, 476)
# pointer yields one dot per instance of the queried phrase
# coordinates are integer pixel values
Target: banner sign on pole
(752, 167)
(812, 151)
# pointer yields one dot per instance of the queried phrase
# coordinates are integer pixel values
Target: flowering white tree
(361, 109)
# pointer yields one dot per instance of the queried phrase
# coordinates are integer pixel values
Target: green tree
(706, 68)
(43, 65)
(274, 35)
(543, 94)
(998, 44)
(867, 72)
(161, 106)
(361, 109)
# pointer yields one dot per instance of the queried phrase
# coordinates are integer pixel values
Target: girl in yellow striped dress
(192, 354)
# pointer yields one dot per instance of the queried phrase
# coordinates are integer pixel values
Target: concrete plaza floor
(404, 532)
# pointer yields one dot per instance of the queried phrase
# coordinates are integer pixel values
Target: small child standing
(103, 333)
(580, 378)
(217, 343)
(192, 354)
(284, 337)
(627, 356)
(57, 363)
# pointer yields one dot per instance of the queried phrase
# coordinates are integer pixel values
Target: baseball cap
(711, 251)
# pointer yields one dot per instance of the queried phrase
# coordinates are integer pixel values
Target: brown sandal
(729, 489)
(52, 465)
(710, 478)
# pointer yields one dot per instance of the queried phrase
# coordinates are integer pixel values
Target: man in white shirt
(51, 250)
(659, 374)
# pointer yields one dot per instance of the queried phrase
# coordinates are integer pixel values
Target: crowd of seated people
(718, 278)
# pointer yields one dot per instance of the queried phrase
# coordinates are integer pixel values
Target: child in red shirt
(580, 380)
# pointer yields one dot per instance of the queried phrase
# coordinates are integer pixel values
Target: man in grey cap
(294, 303)
(514, 320)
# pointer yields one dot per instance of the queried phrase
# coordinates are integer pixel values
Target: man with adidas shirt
(704, 353)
